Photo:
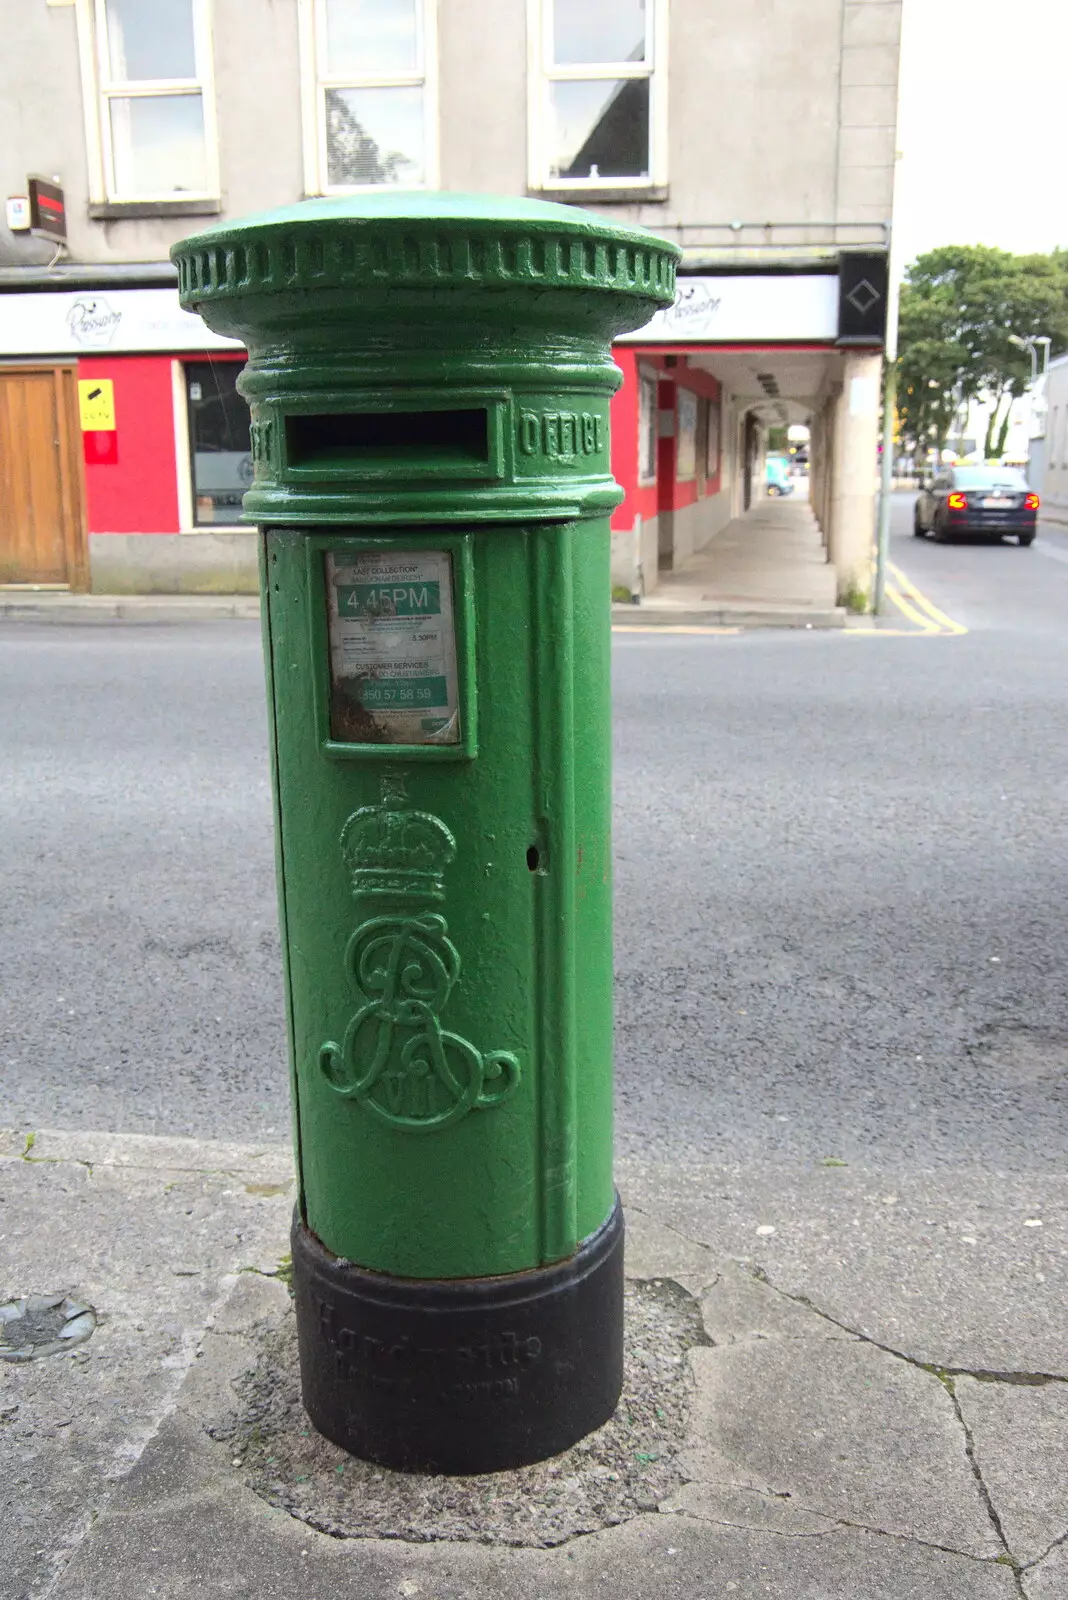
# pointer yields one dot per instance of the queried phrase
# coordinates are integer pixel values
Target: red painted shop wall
(680, 492)
(640, 499)
(644, 499)
(138, 492)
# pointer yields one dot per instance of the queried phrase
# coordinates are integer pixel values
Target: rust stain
(352, 722)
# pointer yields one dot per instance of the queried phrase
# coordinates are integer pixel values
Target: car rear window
(989, 478)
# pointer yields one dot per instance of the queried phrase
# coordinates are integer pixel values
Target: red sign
(48, 212)
(101, 448)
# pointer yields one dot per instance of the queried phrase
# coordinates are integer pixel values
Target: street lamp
(933, 383)
(1036, 387)
(1030, 346)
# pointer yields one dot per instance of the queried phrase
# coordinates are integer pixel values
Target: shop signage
(755, 308)
(122, 321)
(863, 283)
(96, 404)
(48, 210)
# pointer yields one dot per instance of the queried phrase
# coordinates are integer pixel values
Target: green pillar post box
(429, 378)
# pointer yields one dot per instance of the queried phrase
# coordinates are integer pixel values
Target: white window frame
(688, 401)
(714, 410)
(183, 448)
(648, 424)
(314, 84)
(542, 74)
(99, 88)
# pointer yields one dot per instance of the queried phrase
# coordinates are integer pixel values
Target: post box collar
(420, 242)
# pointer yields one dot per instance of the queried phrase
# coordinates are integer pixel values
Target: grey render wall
(482, 50)
(779, 111)
(753, 95)
(257, 89)
(41, 127)
(1052, 478)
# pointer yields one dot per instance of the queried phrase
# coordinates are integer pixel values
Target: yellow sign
(96, 404)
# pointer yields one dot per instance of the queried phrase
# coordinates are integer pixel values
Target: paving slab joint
(1009, 1559)
(836, 1524)
(773, 1533)
(945, 1376)
(705, 1284)
(1029, 1566)
(1029, 1380)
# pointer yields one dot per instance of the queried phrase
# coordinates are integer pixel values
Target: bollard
(429, 379)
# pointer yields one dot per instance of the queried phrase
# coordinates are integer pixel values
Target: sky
(984, 110)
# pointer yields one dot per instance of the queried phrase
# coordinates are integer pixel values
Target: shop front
(142, 492)
(743, 351)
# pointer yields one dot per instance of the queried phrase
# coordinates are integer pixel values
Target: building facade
(760, 138)
(1048, 472)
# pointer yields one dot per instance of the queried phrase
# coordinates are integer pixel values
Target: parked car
(777, 476)
(985, 502)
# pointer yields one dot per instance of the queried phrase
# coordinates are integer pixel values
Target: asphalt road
(842, 881)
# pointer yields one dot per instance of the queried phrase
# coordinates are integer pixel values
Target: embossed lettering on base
(396, 1059)
(461, 1370)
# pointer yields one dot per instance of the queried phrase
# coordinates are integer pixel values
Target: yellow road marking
(914, 595)
(925, 623)
(930, 622)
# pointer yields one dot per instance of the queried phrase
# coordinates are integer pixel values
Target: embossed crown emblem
(394, 852)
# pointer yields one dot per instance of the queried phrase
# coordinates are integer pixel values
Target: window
(369, 104)
(648, 428)
(219, 441)
(712, 432)
(596, 99)
(154, 132)
(988, 476)
(686, 443)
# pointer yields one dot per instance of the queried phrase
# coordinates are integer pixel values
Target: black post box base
(460, 1375)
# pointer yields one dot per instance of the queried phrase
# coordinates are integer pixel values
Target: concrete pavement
(875, 1398)
(59, 605)
(767, 568)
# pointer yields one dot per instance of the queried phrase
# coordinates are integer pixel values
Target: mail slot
(390, 443)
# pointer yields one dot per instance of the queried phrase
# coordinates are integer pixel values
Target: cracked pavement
(878, 1416)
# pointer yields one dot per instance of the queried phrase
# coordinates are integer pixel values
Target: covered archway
(700, 415)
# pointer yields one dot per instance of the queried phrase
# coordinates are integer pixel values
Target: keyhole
(533, 858)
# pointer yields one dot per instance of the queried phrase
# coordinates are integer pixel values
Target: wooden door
(42, 522)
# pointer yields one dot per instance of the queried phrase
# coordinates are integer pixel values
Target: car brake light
(958, 502)
(1032, 502)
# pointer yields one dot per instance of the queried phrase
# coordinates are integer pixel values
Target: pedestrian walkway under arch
(769, 564)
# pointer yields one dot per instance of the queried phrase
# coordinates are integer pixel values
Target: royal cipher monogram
(396, 1058)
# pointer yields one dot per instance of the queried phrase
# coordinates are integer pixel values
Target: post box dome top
(403, 249)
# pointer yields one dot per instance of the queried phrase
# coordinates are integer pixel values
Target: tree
(959, 305)
(352, 155)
